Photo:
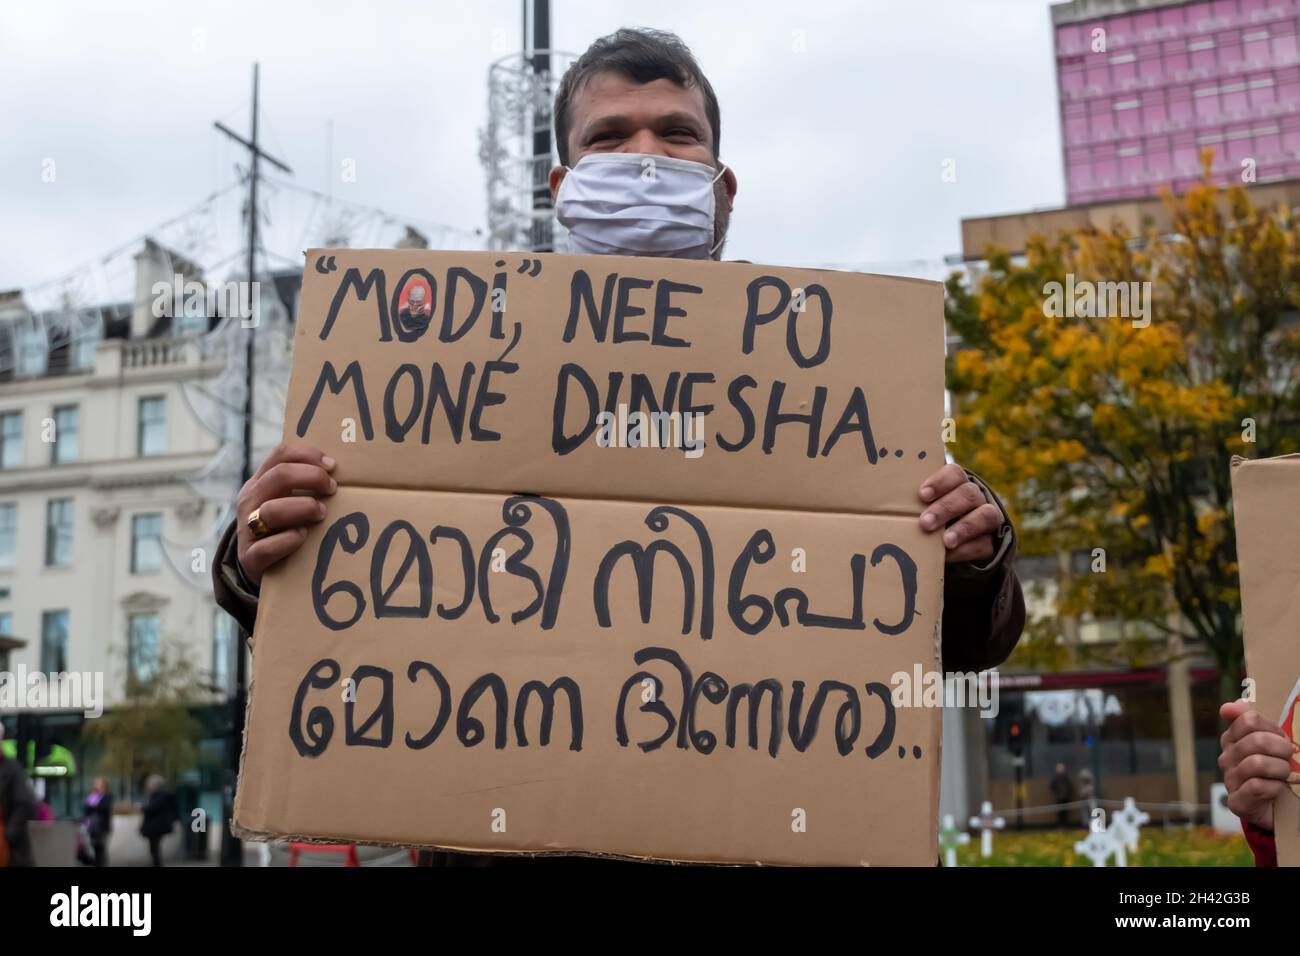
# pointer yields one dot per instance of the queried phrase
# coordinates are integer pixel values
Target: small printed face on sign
(414, 305)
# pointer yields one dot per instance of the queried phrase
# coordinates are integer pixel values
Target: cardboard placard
(537, 620)
(1266, 509)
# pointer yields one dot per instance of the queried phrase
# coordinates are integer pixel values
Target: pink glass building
(1173, 79)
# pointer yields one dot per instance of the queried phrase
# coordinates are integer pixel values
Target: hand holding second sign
(1255, 757)
(957, 504)
(286, 493)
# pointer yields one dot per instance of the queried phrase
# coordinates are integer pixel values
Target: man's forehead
(610, 93)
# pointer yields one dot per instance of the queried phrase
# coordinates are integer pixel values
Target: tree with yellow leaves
(1105, 380)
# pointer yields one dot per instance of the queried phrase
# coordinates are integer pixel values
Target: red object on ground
(296, 848)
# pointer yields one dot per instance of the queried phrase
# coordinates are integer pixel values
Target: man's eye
(682, 132)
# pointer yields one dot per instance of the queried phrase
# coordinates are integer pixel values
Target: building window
(67, 435)
(225, 635)
(152, 436)
(142, 646)
(11, 439)
(58, 532)
(187, 324)
(146, 543)
(86, 344)
(33, 347)
(192, 317)
(8, 535)
(6, 623)
(54, 641)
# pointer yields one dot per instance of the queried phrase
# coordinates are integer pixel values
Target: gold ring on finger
(256, 525)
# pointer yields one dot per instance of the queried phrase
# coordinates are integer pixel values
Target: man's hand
(287, 489)
(958, 503)
(1255, 757)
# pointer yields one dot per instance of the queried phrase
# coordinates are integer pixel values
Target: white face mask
(633, 204)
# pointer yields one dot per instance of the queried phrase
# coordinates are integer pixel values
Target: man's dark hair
(642, 56)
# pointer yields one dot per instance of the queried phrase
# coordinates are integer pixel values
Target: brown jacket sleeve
(983, 607)
(234, 592)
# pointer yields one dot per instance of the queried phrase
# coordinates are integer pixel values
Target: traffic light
(1016, 737)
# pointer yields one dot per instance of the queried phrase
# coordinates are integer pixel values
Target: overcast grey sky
(838, 148)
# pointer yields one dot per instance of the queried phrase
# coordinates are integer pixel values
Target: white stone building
(119, 453)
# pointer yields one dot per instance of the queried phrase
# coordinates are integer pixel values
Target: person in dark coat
(98, 819)
(1062, 793)
(159, 816)
(17, 803)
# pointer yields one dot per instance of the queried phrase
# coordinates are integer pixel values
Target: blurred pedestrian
(17, 803)
(1088, 794)
(159, 816)
(1062, 793)
(98, 818)
(44, 812)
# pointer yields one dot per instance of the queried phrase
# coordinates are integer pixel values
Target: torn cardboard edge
(625, 260)
(280, 840)
(622, 499)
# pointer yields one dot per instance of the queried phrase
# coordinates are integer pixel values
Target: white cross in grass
(1128, 821)
(987, 823)
(1100, 845)
(950, 838)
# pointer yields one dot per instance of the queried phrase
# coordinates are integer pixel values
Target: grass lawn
(1199, 846)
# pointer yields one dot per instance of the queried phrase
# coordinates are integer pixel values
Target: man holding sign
(636, 96)
(640, 124)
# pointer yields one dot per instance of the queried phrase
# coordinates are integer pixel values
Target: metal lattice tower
(520, 100)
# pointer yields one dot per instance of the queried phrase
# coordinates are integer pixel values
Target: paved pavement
(54, 844)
